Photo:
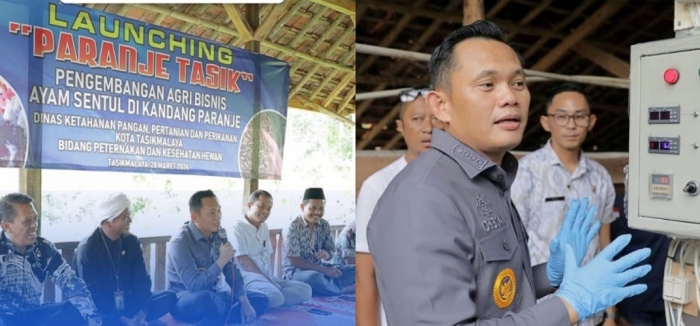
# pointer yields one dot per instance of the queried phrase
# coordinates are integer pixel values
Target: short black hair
(7, 205)
(256, 194)
(442, 59)
(561, 88)
(196, 199)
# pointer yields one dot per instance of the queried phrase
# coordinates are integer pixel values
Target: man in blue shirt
(196, 256)
(26, 261)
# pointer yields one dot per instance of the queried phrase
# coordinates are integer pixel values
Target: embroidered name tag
(491, 221)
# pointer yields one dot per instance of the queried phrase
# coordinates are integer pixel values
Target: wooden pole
(252, 14)
(473, 11)
(30, 184)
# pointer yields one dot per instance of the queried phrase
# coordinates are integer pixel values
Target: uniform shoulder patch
(468, 156)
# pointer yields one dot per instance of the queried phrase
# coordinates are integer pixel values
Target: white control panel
(664, 148)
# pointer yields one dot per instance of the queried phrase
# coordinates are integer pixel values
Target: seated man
(196, 257)
(26, 261)
(253, 249)
(111, 263)
(308, 242)
(345, 246)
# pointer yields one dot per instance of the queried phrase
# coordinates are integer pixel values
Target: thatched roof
(316, 37)
(589, 37)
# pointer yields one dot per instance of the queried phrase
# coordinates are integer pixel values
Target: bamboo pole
(416, 56)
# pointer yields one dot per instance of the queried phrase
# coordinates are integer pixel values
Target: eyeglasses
(409, 95)
(580, 119)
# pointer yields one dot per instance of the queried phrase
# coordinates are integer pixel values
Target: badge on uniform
(119, 300)
(504, 288)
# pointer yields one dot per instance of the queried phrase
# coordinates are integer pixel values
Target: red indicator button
(671, 76)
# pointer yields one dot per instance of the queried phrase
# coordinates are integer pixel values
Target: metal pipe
(534, 76)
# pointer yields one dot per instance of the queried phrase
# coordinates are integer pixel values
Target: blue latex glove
(601, 283)
(578, 230)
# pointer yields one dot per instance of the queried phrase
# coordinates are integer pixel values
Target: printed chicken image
(270, 127)
(13, 129)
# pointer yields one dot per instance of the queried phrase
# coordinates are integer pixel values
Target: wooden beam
(606, 60)
(322, 85)
(316, 44)
(456, 18)
(230, 31)
(391, 144)
(302, 102)
(293, 11)
(529, 17)
(307, 57)
(251, 185)
(565, 22)
(271, 20)
(398, 28)
(346, 100)
(391, 81)
(377, 128)
(589, 26)
(615, 124)
(472, 10)
(422, 40)
(311, 71)
(347, 7)
(496, 8)
(341, 85)
(242, 26)
(307, 27)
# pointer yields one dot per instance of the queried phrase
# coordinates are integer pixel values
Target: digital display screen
(662, 145)
(665, 115)
(654, 115)
(660, 179)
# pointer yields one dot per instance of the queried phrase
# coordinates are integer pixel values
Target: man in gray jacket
(447, 243)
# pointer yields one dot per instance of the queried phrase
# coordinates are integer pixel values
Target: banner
(83, 89)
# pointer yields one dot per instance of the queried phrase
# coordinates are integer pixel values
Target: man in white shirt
(549, 178)
(253, 249)
(416, 123)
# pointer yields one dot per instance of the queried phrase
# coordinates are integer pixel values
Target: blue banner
(84, 89)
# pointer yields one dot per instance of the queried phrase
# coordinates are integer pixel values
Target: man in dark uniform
(448, 244)
(111, 262)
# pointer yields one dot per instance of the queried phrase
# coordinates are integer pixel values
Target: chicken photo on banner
(13, 130)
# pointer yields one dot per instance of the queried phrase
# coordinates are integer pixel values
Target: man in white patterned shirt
(549, 178)
(415, 124)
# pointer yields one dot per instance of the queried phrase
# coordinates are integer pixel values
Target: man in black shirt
(111, 262)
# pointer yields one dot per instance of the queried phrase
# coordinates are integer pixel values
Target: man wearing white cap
(111, 262)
